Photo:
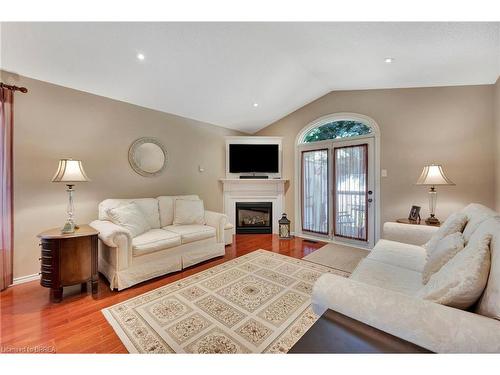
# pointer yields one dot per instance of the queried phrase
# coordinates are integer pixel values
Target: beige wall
(496, 112)
(53, 122)
(452, 126)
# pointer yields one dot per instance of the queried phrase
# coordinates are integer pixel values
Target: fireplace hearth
(254, 217)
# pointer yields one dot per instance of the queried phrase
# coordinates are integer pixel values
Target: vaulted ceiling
(247, 75)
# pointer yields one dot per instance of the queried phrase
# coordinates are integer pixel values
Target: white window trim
(300, 145)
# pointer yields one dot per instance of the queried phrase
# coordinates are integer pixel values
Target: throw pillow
(473, 223)
(189, 212)
(445, 249)
(131, 217)
(454, 223)
(461, 281)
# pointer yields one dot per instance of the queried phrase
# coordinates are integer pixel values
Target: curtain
(6, 187)
(351, 172)
(315, 191)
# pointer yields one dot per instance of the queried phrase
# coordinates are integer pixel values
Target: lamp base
(432, 220)
(69, 227)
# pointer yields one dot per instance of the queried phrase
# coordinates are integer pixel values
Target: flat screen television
(245, 158)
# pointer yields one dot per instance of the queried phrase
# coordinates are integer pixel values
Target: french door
(337, 190)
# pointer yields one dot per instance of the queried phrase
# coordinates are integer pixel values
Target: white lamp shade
(70, 170)
(433, 175)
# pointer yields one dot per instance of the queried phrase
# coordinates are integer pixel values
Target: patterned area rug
(257, 303)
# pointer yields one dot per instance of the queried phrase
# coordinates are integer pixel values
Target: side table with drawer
(68, 259)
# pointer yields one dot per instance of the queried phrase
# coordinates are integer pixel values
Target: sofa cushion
(188, 212)
(489, 304)
(154, 240)
(399, 254)
(476, 213)
(388, 276)
(166, 207)
(191, 233)
(445, 249)
(130, 217)
(149, 207)
(461, 281)
(454, 223)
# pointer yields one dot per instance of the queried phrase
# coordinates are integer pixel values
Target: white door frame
(300, 146)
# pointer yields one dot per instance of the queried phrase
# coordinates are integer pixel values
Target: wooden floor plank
(76, 325)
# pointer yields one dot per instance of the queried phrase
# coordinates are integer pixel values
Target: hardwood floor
(30, 323)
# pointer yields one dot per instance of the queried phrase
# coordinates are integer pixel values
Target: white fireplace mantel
(254, 190)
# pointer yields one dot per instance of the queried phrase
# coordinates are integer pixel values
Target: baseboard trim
(26, 279)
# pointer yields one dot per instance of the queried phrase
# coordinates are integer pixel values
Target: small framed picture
(414, 213)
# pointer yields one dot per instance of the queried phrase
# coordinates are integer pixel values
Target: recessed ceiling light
(255, 104)
(389, 60)
(141, 56)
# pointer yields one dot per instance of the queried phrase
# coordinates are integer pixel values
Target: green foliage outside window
(337, 129)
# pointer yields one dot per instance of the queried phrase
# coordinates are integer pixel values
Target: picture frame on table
(414, 214)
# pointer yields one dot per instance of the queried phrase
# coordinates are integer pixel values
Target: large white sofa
(165, 248)
(382, 291)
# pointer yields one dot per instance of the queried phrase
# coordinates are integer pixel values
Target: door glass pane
(315, 191)
(350, 181)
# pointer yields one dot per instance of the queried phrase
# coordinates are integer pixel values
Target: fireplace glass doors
(254, 217)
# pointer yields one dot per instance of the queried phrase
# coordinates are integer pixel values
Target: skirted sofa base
(156, 264)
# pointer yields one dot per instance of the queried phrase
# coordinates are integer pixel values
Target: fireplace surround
(254, 190)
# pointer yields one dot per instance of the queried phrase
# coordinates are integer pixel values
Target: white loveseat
(165, 248)
(381, 292)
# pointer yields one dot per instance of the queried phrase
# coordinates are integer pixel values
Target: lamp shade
(433, 175)
(70, 170)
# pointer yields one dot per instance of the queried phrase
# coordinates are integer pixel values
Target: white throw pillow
(445, 249)
(454, 223)
(189, 212)
(461, 281)
(131, 217)
(473, 223)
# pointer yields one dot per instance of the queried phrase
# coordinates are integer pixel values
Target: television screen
(253, 158)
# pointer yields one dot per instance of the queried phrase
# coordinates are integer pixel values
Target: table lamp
(70, 171)
(433, 175)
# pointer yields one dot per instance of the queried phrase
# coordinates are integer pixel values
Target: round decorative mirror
(147, 156)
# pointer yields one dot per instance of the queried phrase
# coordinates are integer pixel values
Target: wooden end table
(337, 333)
(68, 259)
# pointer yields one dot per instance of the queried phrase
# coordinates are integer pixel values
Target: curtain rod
(24, 90)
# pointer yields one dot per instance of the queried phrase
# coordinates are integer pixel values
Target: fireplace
(254, 217)
(271, 191)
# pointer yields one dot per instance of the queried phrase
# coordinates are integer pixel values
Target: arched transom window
(335, 130)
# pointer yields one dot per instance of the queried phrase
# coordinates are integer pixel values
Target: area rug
(256, 303)
(340, 257)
